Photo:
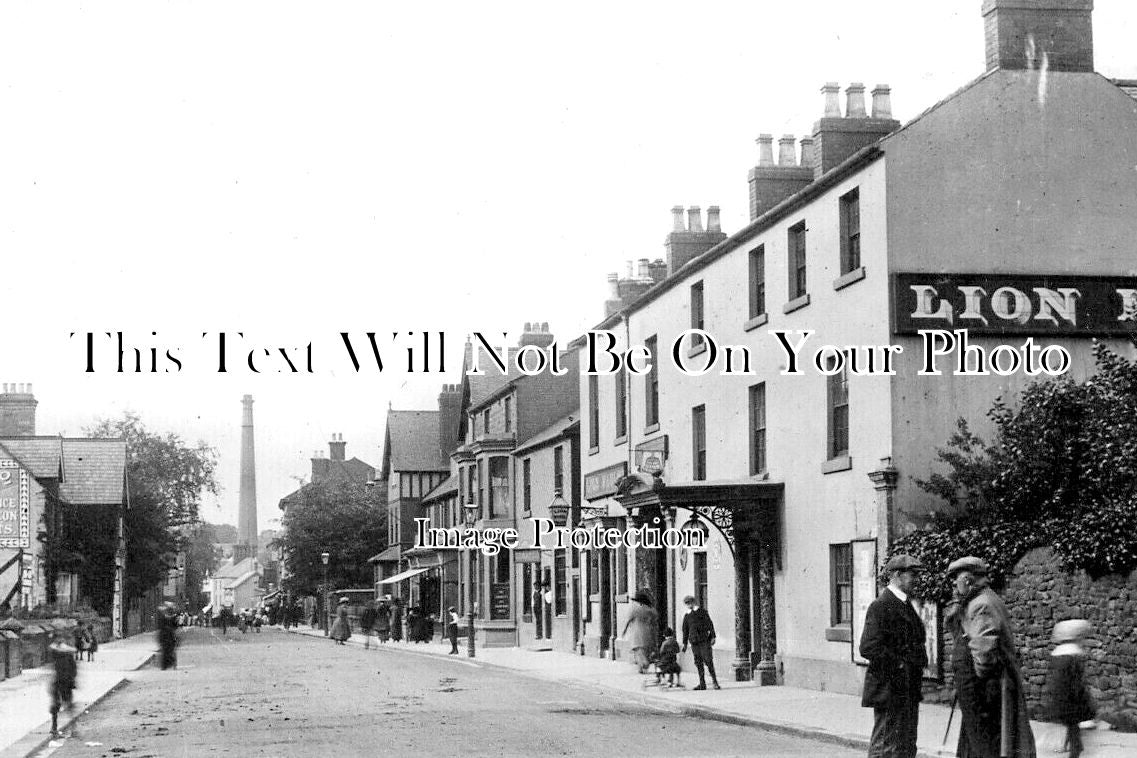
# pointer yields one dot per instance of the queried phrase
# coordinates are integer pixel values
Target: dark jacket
(367, 620)
(893, 643)
(1068, 700)
(698, 629)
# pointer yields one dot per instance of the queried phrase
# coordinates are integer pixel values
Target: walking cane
(1006, 740)
(954, 697)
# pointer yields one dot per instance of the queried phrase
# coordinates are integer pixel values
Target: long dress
(341, 627)
(643, 624)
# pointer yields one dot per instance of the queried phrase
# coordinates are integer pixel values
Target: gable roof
(94, 471)
(411, 443)
(41, 455)
(554, 431)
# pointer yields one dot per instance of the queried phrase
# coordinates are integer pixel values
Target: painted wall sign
(1008, 304)
(602, 483)
(15, 506)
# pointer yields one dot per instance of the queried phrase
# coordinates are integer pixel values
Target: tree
(344, 518)
(1060, 472)
(167, 479)
(203, 556)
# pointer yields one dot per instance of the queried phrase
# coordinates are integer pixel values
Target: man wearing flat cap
(893, 643)
(988, 681)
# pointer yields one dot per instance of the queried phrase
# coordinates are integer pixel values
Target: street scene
(368, 414)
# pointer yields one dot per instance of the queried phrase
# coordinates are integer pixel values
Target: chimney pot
(787, 155)
(545, 327)
(832, 92)
(765, 149)
(677, 224)
(855, 101)
(713, 223)
(641, 268)
(882, 101)
(694, 219)
(528, 326)
(628, 270)
(806, 151)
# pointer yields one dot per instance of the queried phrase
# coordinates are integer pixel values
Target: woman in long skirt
(341, 627)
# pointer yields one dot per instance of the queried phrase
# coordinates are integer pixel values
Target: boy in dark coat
(63, 681)
(668, 661)
(1067, 695)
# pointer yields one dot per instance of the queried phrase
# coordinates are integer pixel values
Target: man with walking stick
(988, 682)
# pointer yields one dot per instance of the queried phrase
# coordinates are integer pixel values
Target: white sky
(293, 170)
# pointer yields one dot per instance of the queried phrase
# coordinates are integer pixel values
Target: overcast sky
(294, 170)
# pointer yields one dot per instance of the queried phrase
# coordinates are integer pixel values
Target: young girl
(668, 662)
(1066, 692)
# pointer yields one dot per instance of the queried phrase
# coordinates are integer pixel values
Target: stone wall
(1041, 594)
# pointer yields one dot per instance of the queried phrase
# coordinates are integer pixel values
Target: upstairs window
(699, 443)
(486, 421)
(758, 428)
(651, 384)
(527, 484)
(507, 409)
(593, 411)
(621, 403)
(838, 405)
(797, 261)
(697, 321)
(850, 231)
(499, 485)
(559, 469)
(758, 281)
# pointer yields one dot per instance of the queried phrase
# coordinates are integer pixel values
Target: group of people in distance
(988, 679)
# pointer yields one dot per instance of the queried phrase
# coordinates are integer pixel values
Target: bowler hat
(902, 562)
(343, 599)
(970, 563)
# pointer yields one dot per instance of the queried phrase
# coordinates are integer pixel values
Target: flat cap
(902, 562)
(1071, 630)
(970, 563)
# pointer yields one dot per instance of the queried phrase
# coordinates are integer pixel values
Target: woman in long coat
(341, 627)
(643, 622)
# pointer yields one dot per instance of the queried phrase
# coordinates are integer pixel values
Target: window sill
(651, 429)
(840, 463)
(622, 598)
(697, 349)
(760, 320)
(844, 280)
(842, 633)
(621, 440)
(596, 449)
(796, 304)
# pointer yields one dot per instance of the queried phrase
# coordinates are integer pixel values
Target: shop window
(841, 584)
(700, 561)
(560, 598)
(503, 562)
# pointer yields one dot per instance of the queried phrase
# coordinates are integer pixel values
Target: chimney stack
(836, 138)
(771, 184)
(536, 333)
(449, 417)
(18, 411)
(337, 448)
(247, 500)
(1018, 33)
(684, 244)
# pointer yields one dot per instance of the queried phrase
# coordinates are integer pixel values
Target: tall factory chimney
(247, 505)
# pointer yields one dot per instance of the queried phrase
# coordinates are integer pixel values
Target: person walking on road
(383, 621)
(367, 624)
(1068, 699)
(167, 637)
(341, 627)
(893, 643)
(62, 684)
(396, 620)
(988, 682)
(699, 631)
(452, 629)
(644, 624)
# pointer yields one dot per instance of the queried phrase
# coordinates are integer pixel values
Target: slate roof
(93, 471)
(412, 443)
(1128, 86)
(553, 431)
(235, 570)
(41, 455)
(449, 486)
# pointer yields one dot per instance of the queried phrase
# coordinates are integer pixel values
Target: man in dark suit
(699, 630)
(893, 643)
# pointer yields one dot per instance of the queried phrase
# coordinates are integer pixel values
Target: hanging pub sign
(651, 455)
(15, 506)
(602, 483)
(1009, 304)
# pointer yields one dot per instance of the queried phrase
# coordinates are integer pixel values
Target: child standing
(63, 680)
(90, 641)
(668, 662)
(1068, 697)
(452, 629)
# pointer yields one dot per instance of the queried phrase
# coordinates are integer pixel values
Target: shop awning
(402, 576)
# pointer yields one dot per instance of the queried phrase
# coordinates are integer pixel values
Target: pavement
(25, 722)
(826, 716)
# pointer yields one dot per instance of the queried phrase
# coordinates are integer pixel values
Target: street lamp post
(324, 599)
(471, 514)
